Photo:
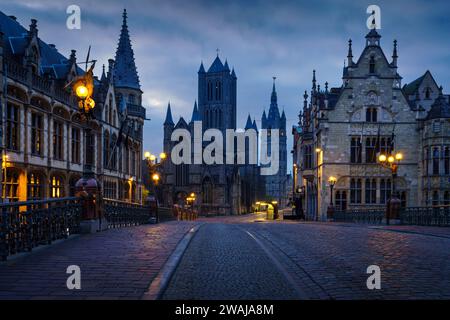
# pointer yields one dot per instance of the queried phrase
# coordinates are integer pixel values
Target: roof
(125, 70)
(169, 119)
(411, 88)
(440, 108)
(216, 66)
(195, 113)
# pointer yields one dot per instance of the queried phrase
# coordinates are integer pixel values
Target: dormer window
(371, 115)
(372, 65)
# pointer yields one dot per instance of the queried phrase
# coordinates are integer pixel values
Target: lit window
(57, 187)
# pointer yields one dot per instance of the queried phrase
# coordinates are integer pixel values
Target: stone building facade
(342, 130)
(46, 146)
(221, 189)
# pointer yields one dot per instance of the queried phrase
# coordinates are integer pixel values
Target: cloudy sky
(260, 39)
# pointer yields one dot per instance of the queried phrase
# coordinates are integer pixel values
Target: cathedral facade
(342, 131)
(221, 189)
(46, 145)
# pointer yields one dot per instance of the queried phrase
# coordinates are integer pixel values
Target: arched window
(35, 187)
(56, 187)
(435, 161)
(371, 115)
(372, 64)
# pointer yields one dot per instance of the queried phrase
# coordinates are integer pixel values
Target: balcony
(136, 110)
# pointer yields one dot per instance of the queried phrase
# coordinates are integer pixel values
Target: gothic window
(446, 198)
(36, 134)
(12, 127)
(210, 91)
(371, 191)
(447, 160)
(435, 198)
(372, 64)
(106, 149)
(218, 89)
(10, 185)
(355, 191)
(58, 140)
(35, 187)
(385, 190)
(371, 115)
(75, 144)
(106, 113)
(307, 157)
(403, 199)
(207, 191)
(89, 148)
(371, 156)
(113, 153)
(341, 200)
(56, 187)
(356, 150)
(435, 161)
(386, 145)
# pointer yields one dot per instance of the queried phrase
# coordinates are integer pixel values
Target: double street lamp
(392, 161)
(155, 170)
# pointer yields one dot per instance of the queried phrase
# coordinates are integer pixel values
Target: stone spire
(394, 55)
(202, 68)
(274, 113)
(314, 82)
(249, 123)
(103, 77)
(274, 98)
(125, 71)
(350, 53)
(169, 119)
(195, 113)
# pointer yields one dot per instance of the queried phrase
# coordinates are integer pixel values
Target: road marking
(301, 294)
(161, 281)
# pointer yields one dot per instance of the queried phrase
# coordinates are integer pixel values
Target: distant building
(221, 188)
(341, 130)
(44, 143)
(276, 186)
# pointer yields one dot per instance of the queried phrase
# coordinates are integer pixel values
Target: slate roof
(440, 108)
(216, 66)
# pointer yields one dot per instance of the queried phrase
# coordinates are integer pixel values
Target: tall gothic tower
(276, 184)
(217, 96)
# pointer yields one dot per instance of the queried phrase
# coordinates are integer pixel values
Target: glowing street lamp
(330, 211)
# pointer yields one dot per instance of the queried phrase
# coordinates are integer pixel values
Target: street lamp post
(155, 170)
(318, 151)
(392, 161)
(330, 211)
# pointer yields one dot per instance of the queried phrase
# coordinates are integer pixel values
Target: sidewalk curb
(161, 281)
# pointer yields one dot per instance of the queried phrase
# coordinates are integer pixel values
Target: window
(182, 175)
(56, 187)
(113, 153)
(307, 157)
(12, 127)
(106, 150)
(110, 189)
(372, 64)
(435, 161)
(90, 148)
(386, 145)
(207, 191)
(446, 198)
(210, 91)
(133, 162)
(447, 160)
(36, 134)
(427, 94)
(371, 191)
(371, 152)
(426, 160)
(35, 187)
(58, 148)
(218, 90)
(76, 145)
(403, 199)
(355, 150)
(131, 99)
(385, 190)
(11, 185)
(341, 200)
(371, 115)
(355, 191)
(435, 198)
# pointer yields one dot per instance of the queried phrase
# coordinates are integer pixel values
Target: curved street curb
(161, 281)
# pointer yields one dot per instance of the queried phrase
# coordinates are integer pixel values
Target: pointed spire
(233, 74)
(103, 77)
(314, 87)
(202, 68)
(305, 101)
(373, 38)
(73, 56)
(350, 54)
(394, 55)
(283, 115)
(226, 67)
(169, 119)
(274, 92)
(216, 66)
(125, 67)
(254, 126)
(326, 87)
(195, 113)
(248, 125)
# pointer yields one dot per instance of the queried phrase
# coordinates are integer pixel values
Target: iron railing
(124, 214)
(26, 225)
(426, 216)
(367, 216)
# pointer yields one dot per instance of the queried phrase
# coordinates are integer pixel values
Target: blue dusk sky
(260, 39)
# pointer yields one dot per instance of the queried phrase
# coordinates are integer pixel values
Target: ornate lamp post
(392, 161)
(318, 151)
(330, 211)
(155, 170)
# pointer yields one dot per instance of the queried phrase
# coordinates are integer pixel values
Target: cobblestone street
(240, 258)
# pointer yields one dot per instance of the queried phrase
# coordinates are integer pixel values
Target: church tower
(217, 96)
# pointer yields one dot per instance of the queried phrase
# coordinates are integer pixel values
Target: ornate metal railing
(41, 84)
(124, 214)
(136, 110)
(25, 225)
(426, 216)
(367, 216)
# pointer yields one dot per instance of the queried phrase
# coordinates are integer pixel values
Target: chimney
(110, 67)
(13, 17)
(51, 45)
(73, 57)
(33, 27)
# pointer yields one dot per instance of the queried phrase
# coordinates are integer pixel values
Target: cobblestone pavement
(326, 261)
(116, 264)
